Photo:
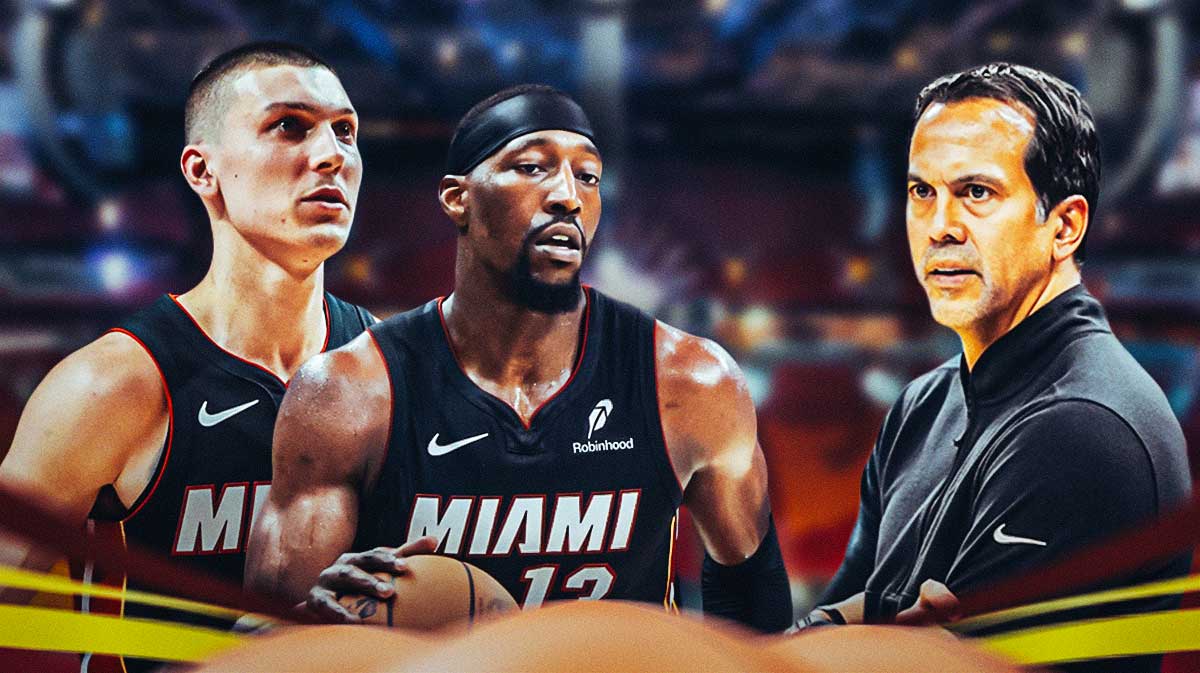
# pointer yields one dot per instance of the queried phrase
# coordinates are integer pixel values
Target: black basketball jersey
(214, 472)
(580, 503)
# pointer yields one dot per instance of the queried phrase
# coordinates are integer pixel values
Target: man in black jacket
(1044, 434)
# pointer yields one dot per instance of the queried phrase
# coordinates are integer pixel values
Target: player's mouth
(329, 197)
(949, 275)
(561, 242)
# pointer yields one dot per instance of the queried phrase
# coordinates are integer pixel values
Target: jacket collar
(1017, 358)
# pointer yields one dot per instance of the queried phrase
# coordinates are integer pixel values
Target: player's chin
(954, 312)
(555, 270)
(562, 277)
(328, 237)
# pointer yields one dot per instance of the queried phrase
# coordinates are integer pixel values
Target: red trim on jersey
(587, 313)
(387, 444)
(662, 428)
(328, 323)
(235, 356)
(162, 466)
(668, 595)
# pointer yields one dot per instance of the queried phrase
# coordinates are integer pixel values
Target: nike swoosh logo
(1003, 538)
(208, 420)
(436, 449)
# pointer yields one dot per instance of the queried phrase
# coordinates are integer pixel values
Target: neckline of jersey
(587, 325)
(325, 344)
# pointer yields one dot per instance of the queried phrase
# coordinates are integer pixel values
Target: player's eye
(588, 178)
(344, 130)
(978, 192)
(529, 169)
(289, 126)
(921, 190)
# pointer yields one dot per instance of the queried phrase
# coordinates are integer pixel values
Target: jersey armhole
(387, 442)
(161, 468)
(671, 478)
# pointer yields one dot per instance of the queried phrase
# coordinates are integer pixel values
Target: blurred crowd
(754, 181)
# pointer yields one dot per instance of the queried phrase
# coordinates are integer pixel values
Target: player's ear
(194, 164)
(453, 195)
(1070, 220)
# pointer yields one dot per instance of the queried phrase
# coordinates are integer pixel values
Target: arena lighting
(109, 215)
(114, 269)
(1142, 5)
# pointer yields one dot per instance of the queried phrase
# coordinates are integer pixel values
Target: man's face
(287, 162)
(978, 246)
(533, 207)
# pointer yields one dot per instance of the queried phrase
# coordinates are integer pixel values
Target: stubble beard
(538, 295)
(962, 313)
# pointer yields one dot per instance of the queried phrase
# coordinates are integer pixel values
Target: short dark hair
(1063, 158)
(205, 100)
(499, 97)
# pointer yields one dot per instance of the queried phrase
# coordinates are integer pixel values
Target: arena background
(755, 153)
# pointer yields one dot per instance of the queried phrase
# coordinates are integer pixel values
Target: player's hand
(352, 574)
(935, 605)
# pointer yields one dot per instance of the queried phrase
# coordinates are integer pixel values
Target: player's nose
(327, 153)
(945, 223)
(564, 191)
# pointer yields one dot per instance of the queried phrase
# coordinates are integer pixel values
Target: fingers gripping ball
(437, 592)
(885, 649)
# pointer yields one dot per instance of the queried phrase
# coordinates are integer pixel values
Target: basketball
(438, 592)
(884, 649)
(596, 636)
(316, 649)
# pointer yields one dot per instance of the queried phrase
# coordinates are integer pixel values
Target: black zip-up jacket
(1057, 438)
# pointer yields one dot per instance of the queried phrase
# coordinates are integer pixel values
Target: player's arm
(328, 446)
(99, 417)
(711, 434)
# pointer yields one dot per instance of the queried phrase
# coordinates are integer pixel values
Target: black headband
(510, 118)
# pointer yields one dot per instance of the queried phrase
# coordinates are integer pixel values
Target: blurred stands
(755, 160)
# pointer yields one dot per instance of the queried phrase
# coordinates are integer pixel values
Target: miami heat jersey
(579, 503)
(215, 470)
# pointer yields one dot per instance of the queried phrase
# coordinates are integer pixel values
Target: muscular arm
(99, 417)
(711, 434)
(329, 441)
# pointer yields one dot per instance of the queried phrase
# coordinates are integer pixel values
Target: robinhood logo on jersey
(597, 419)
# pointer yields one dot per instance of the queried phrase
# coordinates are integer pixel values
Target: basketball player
(163, 425)
(1044, 434)
(537, 428)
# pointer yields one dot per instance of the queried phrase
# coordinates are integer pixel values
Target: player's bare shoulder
(694, 364)
(705, 405)
(100, 410)
(114, 365)
(337, 409)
